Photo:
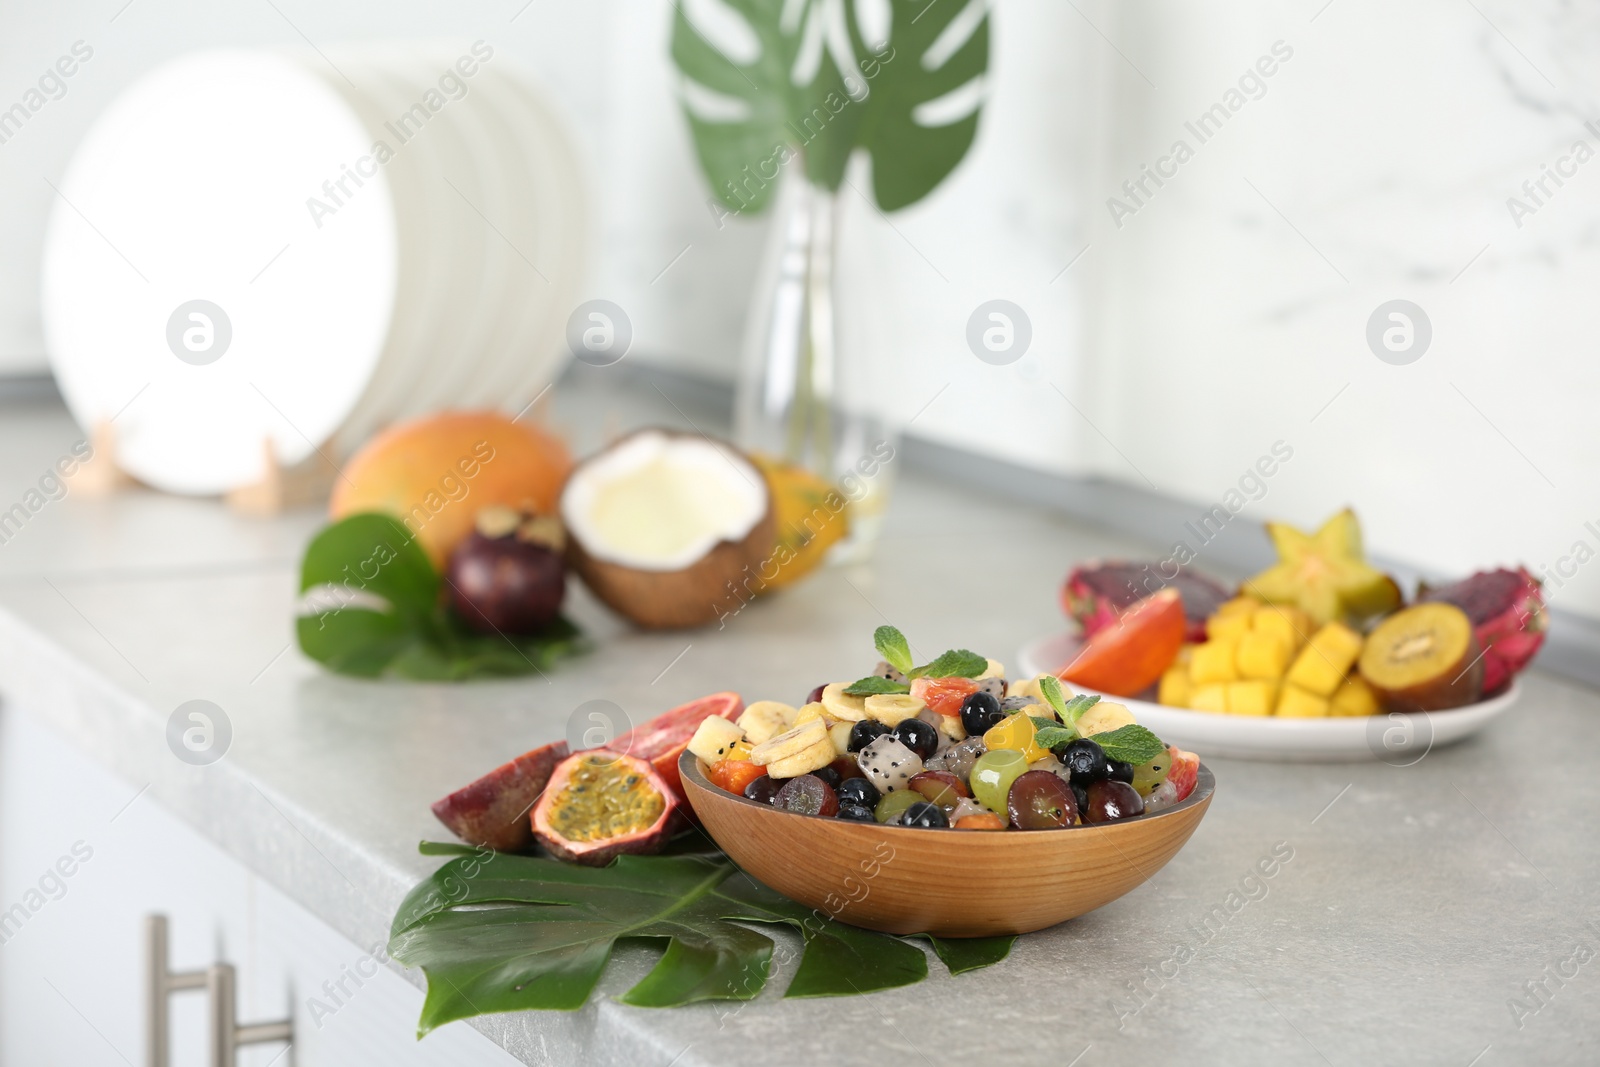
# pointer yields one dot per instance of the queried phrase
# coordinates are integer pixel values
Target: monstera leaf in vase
(764, 79)
(778, 95)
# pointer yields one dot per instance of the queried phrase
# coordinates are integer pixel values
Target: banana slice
(841, 706)
(791, 743)
(713, 737)
(811, 759)
(766, 719)
(994, 669)
(1030, 688)
(950, 726)
(892, 708)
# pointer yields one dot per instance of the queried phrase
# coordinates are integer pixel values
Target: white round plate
(1394, 738)
(193, 186)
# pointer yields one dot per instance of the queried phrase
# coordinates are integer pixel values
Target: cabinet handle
(226, 1032)
(159, 984)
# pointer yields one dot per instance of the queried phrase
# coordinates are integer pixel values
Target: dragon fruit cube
(888, 764)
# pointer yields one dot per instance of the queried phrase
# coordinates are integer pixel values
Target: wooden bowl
(951, 883)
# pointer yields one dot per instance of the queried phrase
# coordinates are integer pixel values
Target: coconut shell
(718, 584)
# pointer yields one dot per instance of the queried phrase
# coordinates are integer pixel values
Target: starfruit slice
(1325, 573)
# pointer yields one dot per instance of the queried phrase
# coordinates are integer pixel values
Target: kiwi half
(1424, 658)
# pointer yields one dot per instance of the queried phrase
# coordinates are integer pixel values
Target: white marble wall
(1227, 313)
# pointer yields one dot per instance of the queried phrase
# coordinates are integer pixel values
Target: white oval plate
(1395, 738)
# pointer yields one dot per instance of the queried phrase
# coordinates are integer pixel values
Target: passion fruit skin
(505, 584)
(573, 825)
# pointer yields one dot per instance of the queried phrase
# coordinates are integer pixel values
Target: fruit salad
(1319, 634)
(948, 745)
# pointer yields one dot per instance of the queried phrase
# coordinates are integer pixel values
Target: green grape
(894, 803)
(992, 775)
(1149, 775)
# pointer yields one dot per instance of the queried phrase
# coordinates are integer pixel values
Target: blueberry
(762, 790)
(1084, 758)
(858, 791)
(979, 712)
(855, 812)
(830, 776)
(1082, 796)
(918, 736)
(925, 816)
(865, 732)
(1120, 771)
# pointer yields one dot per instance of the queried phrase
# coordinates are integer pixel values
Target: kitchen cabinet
(84, 856)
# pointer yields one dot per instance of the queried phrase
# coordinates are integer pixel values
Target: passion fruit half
(1425, 658)
(600, 804)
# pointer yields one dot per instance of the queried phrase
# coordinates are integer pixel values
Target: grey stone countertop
(1410, 912)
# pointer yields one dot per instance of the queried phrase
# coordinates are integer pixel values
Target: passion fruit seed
(602, 800)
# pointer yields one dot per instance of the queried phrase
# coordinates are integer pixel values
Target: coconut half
(669, 529)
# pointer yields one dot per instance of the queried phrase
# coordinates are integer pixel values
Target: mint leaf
(957, 663)
(1051, 688)
(1051, 736)
(872, 685)
(1132, 744)
(1042, 723)
(892, 646)
(1074, 709)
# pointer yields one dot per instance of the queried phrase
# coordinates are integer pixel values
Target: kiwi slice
(1424, 658)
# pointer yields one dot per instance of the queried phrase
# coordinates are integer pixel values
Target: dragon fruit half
(1096, 593)
(1508, 615)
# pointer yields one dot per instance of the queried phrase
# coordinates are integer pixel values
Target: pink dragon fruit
(1508, 614)
(1096, 594)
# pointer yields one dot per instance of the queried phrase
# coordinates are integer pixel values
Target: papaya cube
(1355, 698)
(1290, 624)
(1251, 698)
(1175, 687)
(1214, 661)
(1262, 656)
(1297, 703)
(1326, 659)
(1225, 627)
(1212, 697)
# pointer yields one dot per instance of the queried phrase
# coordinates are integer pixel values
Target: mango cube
(1228, 627)
(1288, 623)
(1175, 687)
(1297, 703)
(1251, 698)
(807, 714)
(1016, 732)
(1262, 656)
(1214, 661)
(1185, 654)
(1355, 698)
(1212, 697)
(1326, 659)
(1242, 605)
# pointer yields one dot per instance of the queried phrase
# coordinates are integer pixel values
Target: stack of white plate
(258, 250)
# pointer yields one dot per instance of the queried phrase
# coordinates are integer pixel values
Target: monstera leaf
(766, 80)
(498, 933)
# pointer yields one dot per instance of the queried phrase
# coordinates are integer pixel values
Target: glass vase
(796, 400)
